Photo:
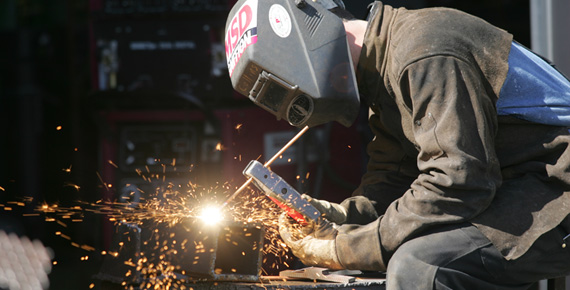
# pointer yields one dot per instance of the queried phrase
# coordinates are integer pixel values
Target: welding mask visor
(292, 60)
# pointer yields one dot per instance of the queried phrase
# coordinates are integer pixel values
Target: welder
(468, 181)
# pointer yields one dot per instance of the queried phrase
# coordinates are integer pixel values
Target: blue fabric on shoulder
(534, 90)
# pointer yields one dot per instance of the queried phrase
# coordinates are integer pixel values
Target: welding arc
(279, 153)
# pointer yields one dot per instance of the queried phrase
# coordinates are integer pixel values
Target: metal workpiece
(120, 264)
(226, 252)
(187, 251)
(280, 192)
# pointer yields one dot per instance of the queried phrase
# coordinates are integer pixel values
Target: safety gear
(313, 244)
(292, 59)
(331, 211)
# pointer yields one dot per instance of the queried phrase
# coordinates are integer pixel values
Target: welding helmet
(291, 57)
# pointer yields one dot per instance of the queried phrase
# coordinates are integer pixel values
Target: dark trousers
(460, 257)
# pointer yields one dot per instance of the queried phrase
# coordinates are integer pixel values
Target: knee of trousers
(408, 270)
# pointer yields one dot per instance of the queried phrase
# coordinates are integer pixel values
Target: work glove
(314, 244)
(333, 212)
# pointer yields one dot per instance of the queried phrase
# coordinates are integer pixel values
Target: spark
(112, 163)
(211, 215)
(102, 181)
(168, 206)
(75, 186)
(18, 203)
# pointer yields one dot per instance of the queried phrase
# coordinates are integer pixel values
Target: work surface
(276, 282)
(305, 278)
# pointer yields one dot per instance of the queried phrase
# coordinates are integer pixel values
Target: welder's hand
(333, 212)
(314, 244)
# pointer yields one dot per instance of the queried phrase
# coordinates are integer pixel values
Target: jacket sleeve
(389, 174)
(453, 124)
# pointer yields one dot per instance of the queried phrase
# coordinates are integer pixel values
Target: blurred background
(94, 91)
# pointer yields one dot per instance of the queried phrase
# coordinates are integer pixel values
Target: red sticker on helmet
(241, 33)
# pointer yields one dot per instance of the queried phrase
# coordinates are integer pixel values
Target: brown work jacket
(441, 154)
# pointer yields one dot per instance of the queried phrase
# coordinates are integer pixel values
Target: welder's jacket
(441, 154)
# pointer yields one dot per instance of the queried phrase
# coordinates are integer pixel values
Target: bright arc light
(211, 215)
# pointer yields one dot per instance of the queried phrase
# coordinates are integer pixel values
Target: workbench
(306, 278)
(278, 283)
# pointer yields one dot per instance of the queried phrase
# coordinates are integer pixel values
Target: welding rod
(268, 163)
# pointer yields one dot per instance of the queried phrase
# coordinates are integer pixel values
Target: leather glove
(314, 244)
(333, 212)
